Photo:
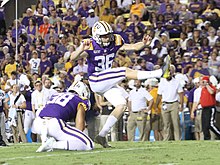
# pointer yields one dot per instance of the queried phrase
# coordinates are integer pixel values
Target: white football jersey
(35, 63)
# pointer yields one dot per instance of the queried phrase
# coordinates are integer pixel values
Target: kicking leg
(141, 75)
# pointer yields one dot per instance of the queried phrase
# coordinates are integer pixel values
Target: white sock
(141, 75)
(108, 125)
(44, 133)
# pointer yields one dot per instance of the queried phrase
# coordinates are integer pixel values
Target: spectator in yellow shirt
(69, 64)
(10, 67)
(156, 119)
(123, 60)
(137, 8)
(102, 4)
(106, 16)
(211, 8)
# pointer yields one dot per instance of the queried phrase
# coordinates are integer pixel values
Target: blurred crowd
(47, 35)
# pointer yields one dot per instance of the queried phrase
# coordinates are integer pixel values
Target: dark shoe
(102, 141)
(166, 67)
(2, 144)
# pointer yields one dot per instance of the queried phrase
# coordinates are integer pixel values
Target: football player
(63, 107)
(100, 51)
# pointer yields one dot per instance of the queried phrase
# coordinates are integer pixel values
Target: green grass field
(126, 153)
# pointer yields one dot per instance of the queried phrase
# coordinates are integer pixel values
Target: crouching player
(51, 124)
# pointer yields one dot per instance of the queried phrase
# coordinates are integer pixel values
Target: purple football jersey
(63, 106)
(101, 58)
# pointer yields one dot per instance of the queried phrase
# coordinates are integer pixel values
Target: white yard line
(169, 164)
(75, 153)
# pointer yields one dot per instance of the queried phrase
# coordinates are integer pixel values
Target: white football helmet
(81, 89)
(100, 29)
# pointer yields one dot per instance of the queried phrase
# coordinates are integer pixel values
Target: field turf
(122, 153)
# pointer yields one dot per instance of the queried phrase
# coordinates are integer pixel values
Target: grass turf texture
(126, 153)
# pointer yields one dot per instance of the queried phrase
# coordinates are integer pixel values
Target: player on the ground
(63, 107)
(100, 51)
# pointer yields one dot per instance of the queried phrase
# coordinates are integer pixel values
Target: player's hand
(147, 40)
(180, 108)
(192, 116)
(14, 106)
(86, 44)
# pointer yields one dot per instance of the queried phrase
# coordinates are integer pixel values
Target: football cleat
(166, 67)
(47, 146)
(102, 141)
(2, 144)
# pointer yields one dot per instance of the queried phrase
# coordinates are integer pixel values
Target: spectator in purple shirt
(124, 31)
(20, 30)
(183, 14)
(186, 63)
(198, 71)
(196, 7)
(168, 14)
(47, 3)
(205, 48)
(53, 55)
(135, 22)
(83, 10)
(52, 40)
(62, 48)
(38, 15)
(196, 54)
(45, 64)
(163, 6)
(32, 30)
(71, 19)
(29, 14)
(148, 56)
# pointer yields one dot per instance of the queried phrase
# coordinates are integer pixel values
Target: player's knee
(122, 107)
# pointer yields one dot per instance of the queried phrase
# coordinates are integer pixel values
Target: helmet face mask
(107, 39)
(102, 33)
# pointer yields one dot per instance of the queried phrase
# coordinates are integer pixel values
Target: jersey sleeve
(84, 102)
(84, 105)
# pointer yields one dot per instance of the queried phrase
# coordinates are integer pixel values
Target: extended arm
(80, 118)
(139, 45)
(80, 51)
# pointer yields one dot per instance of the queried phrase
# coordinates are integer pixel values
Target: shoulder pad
(118, 40)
